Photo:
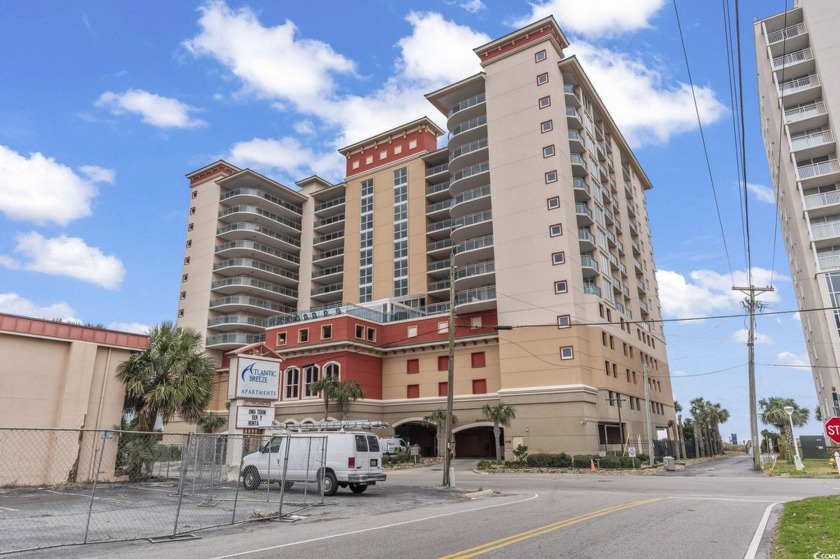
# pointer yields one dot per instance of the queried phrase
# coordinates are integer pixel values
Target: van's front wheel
(358, 488)
(328, 483)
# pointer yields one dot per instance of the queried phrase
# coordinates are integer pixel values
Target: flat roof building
(797, 56)
(537, 202)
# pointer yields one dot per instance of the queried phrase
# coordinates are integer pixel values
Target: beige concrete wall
(57, 384)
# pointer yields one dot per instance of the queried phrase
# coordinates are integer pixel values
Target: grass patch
(808, 527)
(817, 467)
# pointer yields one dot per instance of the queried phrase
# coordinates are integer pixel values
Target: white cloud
(762, 193)
(705, 293)
(304, 127)
(596, 19)
(41, 190)
(646, 108)
(288, 156)
(792, 359)
(155, 110)
(95, 173)
(12, 303)
(473, 6)
(66, 256)
(742, 335)
(271, 61)
(133, 327)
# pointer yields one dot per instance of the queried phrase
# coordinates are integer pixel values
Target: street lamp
(796, 459)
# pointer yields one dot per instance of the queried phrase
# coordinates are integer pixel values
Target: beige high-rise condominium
(538, 202)
(797, 56)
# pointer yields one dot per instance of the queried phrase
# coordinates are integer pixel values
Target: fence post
(185, 446)
(285, 474)
(93, 489)
(239, 474)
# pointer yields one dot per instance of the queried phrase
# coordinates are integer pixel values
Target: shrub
(610, 461)
(540, 460)
(629, 462)
(643, 458)
(582, 460)
(483, 465)
(521, 453)
(561, 460)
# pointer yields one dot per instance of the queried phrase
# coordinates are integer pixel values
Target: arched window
(310, 376)
(332, 370)
(292, 391)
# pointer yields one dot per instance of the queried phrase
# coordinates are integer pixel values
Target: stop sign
(832, 429)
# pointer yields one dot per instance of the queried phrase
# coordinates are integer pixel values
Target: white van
(353, 460)
(392, 445)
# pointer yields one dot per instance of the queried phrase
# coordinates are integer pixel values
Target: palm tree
(700, 413)
(171, 376)
(500, 414)
(719, 415)
(212, 423)
(347, 391)
(328, 386)
(773, 413)
(438, 419)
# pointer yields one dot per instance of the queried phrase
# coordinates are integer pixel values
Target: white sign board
(257, 379)
(631, 451)
(254, 418)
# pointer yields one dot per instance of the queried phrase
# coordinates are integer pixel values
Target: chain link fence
(63, 486)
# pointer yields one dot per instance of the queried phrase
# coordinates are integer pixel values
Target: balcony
(437, 170)
(637, 265)
(233, 341)
(816, 144)
(245, 249)
(467, 103)
(439, 229)
(641, 285)
(245, 195)
(644, 307)
(438, 268)
(468, 131)
(467, 154)
(439, 248)
(437, 192)
(589, 266)
(439, 209)
(240, 303)
(798, 62)
(331, 288)
(474, 250)
(800, 90)
(591, 288)
(475, 300)
(248, 266)
(473, 225)
(237, 231)
(584, 215)
(791, 38)
(255, 214)
(634, 229)
(329, 241)
(576, 142)
(826, 201)
(236, 322)
(329, 224)
(253, 286)
(573, 118)
(830, 262)
(437, 308)
(571, 97)
(468, 178)
(578, 165)
(586, 240)
(804, 117)
(437, 287)
(821, 170)
(323, 206)
(825, 231)
(471, 201)
(582, 192)
(324, 272)
(329, 257)
(475, 275)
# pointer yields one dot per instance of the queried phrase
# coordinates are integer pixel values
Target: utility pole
(449, 445)
(751, 304)
(647, 413)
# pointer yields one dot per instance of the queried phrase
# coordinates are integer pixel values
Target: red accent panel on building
(517, 43)
(477, 360)
(217, 170)
(443, 388)
(412, 391)
(412, 366)
(74, 332)
(479, 386)
(426, 142)
(364, 369)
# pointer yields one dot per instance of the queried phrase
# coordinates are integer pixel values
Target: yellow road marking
(515, 538)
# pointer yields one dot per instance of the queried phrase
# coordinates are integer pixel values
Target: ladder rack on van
(336, 425)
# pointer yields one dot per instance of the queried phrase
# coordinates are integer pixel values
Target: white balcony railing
(822, 199)
(822, 231)
(792, 58)
(806, 111)
(829, 262)
(786, 33)
(817, 169)
(792, 86)
(810, 140)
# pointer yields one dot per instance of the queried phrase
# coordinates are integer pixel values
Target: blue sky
(105, 106)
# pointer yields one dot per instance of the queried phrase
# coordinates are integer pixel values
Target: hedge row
(563, 460)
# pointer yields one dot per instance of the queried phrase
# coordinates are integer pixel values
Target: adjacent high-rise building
(797, 56)
(536, 208)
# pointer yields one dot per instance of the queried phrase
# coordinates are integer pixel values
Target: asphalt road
(711, 510)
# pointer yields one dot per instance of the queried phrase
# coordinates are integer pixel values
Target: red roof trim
(74, 332)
